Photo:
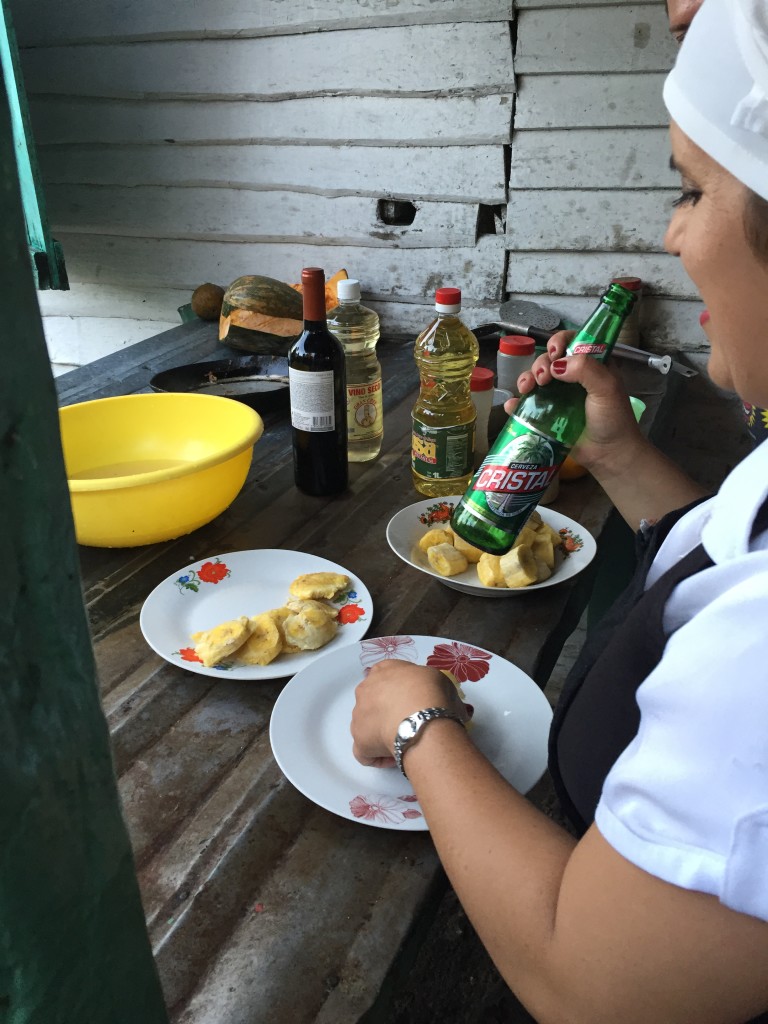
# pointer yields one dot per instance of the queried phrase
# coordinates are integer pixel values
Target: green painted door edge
(74, 947)
(45, 252)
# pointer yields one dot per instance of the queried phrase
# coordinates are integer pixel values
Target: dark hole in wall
(396, 212)
(491, 220)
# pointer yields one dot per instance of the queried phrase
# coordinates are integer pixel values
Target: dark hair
(756, 224)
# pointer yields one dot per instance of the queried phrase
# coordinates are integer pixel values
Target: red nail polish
(705, 317)
(559, 366)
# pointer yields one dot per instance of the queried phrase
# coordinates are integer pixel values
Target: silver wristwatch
(409, 729)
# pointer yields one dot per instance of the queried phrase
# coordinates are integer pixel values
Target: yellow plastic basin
(149, 468)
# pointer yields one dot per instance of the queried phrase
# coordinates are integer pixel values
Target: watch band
(410, 728)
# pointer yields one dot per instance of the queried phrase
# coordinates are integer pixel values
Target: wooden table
(261, 906)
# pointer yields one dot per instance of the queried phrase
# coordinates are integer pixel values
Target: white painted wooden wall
(198, 140)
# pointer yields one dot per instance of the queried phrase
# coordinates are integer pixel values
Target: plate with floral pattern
(411, 523)
(214, 590)
(309, 728)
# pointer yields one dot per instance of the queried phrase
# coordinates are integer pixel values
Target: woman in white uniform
(658, 911)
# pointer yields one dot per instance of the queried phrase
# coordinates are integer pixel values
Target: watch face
(407, 729)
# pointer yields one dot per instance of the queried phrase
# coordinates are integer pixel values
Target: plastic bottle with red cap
(443, 435)
(481, 389)
(516, 353)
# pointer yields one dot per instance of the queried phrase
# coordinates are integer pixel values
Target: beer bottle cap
(448, 300)
(517, 345)
(481, 380)
(632, 284)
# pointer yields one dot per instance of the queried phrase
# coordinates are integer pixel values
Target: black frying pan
(256, 380)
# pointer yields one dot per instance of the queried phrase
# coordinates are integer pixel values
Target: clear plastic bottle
(444, 415)
(357, 328)
(481, 386)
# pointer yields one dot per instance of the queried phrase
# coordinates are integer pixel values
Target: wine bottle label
(365, 412)
(442, 453)
(512, 478)
(312, 400)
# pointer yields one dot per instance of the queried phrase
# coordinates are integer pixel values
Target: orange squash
(331, 289)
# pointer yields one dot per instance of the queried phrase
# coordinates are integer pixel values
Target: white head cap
(717, 91)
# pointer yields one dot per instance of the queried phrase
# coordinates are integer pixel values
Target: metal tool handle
(664, 364)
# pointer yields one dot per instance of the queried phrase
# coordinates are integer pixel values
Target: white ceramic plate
(411, 523)
(217, 589)
(309, 728)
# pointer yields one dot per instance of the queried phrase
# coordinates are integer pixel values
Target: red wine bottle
(318, 390)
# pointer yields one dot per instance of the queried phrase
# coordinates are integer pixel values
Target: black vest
(597, 715)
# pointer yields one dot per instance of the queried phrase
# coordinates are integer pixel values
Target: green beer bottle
(533, 445)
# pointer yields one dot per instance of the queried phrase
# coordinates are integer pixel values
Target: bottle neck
(313, 292)
(599, 334)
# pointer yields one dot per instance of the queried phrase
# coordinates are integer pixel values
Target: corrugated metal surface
(261, 906)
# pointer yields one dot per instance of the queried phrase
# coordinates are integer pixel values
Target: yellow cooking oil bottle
(357, 328)
(443, 436)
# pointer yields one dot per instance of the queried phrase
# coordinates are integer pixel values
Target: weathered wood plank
(448, 174)
(411, 274)
(665, 324)
(119, 301)
(590, 101)
(525, 4)
(588, 273)
(384, 121)
(78, 341)
(241, 214)
(622, 221)
(588, 39)
(52, 24)
(417, 59)
(592, 158)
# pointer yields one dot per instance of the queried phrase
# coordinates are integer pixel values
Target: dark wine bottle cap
(313, 292)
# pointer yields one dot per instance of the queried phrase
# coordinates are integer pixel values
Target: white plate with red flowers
(214, 590)
(311, 741)
(411, 523)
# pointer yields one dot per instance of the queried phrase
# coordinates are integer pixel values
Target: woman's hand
(390, 692)
(642, 483)
(611, 432)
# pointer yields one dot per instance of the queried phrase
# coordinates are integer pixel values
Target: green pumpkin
(260, 314)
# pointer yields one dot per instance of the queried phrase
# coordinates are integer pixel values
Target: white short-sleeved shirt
(687, 800)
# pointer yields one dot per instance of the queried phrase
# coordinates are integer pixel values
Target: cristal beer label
(510, 481)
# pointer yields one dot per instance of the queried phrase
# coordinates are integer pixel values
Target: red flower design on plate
(188, 654)
(212, 572)
(351, 613)
(383, 809)
(467, 664)
(400, 648)
(439, 513)
(571, 541)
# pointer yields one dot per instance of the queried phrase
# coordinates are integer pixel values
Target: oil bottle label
(442, 453)
(365, 413)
